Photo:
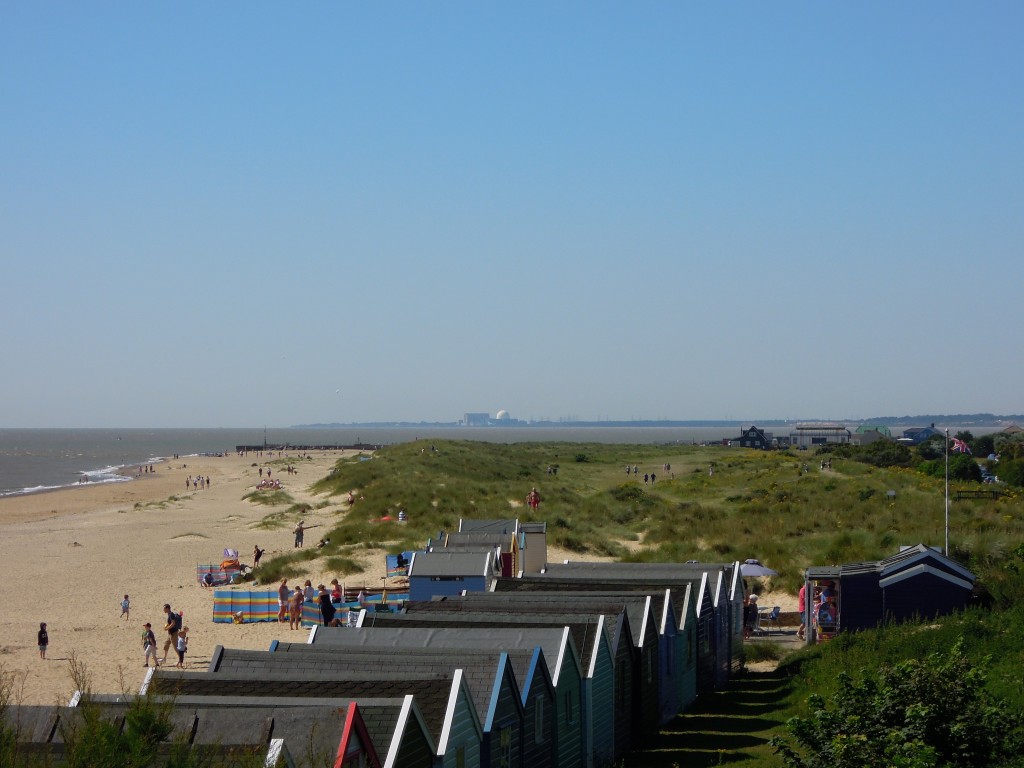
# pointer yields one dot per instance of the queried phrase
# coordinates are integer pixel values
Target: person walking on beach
(43, 639)
(148, 645)
(125, 607)
(172, 627)
(257, 553)
(300, 529)
(283, 593)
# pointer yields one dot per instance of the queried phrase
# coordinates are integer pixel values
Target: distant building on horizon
(879, 428)
(501, 419)
(917, 435)
(752, 437)
(813, 434)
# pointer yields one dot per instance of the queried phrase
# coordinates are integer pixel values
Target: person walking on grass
(43, 639)
(148, 645)
(125, 608)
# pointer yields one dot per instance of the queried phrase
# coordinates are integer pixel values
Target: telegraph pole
(947, 491)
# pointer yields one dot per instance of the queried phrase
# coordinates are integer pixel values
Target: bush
(1011, 472)
(921, 712)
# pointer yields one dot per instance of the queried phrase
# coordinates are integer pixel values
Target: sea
(34, 460)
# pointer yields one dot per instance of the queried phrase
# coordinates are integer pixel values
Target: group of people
(649, 477)
(825, 611)
(197, 482)
(290, 602)
(177, 637)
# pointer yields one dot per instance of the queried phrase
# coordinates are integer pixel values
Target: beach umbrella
(754, 569)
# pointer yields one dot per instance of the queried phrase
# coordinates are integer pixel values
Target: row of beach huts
(498, 659)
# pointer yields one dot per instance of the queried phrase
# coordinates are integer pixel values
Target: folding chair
(772, 617)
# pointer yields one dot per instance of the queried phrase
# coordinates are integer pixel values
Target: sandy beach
(74, 553)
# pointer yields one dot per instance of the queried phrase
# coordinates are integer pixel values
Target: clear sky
(238, 214)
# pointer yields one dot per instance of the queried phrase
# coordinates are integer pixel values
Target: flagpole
(947, 491)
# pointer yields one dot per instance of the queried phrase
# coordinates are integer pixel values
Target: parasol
(754, 569)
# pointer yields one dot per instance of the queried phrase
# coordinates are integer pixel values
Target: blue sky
(239, 214)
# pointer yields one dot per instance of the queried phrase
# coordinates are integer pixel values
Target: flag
(960, 446)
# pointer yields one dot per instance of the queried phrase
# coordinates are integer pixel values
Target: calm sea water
(41, 459)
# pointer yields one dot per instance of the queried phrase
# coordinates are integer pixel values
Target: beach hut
(606, 661)
(726, 590)
(505, 546)
(498, 698)
(281, 733)
(540, 719)
(918, 582)
(449, 572)
(557, 653)
(533, 547)
(394, 727)
(441, 695)
(507, 526)
(700, 602)
(643, 624)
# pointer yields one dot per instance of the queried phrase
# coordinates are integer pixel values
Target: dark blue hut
(917, 582)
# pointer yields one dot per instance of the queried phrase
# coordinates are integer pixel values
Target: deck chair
(772, 617)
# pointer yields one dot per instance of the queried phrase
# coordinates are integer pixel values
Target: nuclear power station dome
(502, 416)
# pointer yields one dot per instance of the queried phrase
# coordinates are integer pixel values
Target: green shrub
(761, 651)
(343, 566)
(921, 712)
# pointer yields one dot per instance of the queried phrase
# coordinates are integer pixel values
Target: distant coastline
(960, 420)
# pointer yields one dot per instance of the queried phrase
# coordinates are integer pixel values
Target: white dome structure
(502, 416)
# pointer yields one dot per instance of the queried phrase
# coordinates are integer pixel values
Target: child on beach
(125, 606)
(182, 646)
(148, 645)
(43, 639)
